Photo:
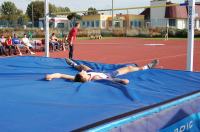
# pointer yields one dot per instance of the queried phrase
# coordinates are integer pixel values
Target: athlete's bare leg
(127, 69)
(78, 67)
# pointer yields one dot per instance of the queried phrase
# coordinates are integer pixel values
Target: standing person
(72, 38)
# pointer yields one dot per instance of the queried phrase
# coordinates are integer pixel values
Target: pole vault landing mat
(154, 100)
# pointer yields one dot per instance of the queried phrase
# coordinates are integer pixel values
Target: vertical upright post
(46, 7)
(32, 16)
(167, 32)
(190, 48)
(127, 22)
(112, 15)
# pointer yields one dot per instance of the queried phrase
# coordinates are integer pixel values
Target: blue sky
(75, 5)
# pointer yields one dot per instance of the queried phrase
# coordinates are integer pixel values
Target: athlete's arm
(72, 39)
(59, 75)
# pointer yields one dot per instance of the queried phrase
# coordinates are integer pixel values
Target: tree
(38, 10)
(92, 11)
(62, 9)
(10, 12)
(73, 17)
(23, 19)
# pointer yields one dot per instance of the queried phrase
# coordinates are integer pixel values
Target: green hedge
(139, 32)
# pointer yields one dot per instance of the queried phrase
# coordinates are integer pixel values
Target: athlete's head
(77, 24)
(82, 77)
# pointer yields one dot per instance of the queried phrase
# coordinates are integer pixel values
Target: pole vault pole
(190, 48)
(46, 7)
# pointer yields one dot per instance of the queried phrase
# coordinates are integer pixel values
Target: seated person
(54, 41)
(27, 44)
(10, 46)
(17, 44)
(2, 50)
(65, 42)
(3, 40)
(87, 74)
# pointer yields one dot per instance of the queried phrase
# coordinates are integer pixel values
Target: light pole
(32, 14)
(112, 16)
(46, 15)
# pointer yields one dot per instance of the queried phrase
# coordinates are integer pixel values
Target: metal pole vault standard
(46, 7)
(190, 48)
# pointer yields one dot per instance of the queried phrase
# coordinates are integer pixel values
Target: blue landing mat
(28, 103)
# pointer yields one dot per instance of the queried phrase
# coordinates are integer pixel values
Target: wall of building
(181, 23)
(56, 22)
(197, 24)
(94, 21)
(157, 15)
(136, 21)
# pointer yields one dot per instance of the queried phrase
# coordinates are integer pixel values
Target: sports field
(171, 53)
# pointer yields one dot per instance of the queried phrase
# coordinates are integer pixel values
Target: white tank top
(98, 74)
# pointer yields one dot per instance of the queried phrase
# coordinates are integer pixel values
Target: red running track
(171, 53)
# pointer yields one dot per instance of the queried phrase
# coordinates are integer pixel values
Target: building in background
(56, 22)
(102, 21)
(128, 21)
(173, 17)
(98, 21)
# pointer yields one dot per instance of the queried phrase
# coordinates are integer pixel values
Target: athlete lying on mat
(87, 74)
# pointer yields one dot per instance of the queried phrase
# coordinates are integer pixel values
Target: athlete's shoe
(152, 64)
(70, 62)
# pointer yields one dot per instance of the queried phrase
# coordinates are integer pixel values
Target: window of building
(83, 23)
(197, 24)
(51, 24)
(60, 25)
(97, 23)
(131, 23)
(92, 23)
(139, 23)
(117, 24)
(172, 22)
(135, 23)
(88, 24)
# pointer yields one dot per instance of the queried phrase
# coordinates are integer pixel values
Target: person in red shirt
(9, 45)
(72, 38)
